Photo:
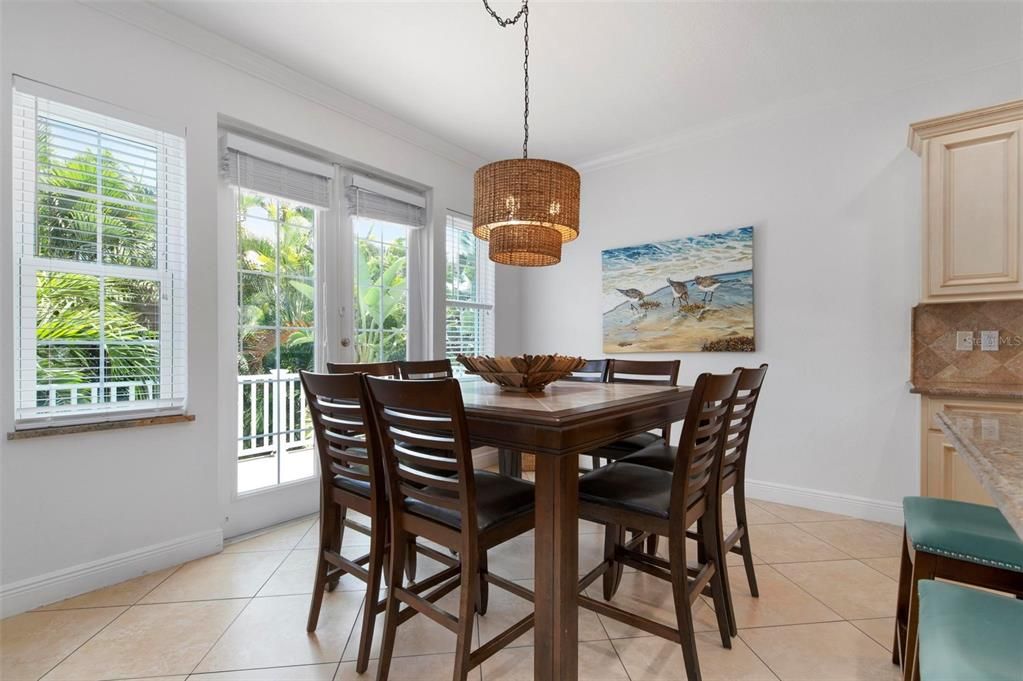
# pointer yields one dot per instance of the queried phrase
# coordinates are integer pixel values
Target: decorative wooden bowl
(523, 373)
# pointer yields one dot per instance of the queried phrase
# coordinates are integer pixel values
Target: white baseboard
(832, 502)
(78, 579)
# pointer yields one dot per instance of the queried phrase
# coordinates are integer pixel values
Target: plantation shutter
(100, 261)
(268, 170)
(469, 290)
(377, 200)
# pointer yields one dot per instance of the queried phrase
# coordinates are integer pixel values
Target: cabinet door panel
(973, 225)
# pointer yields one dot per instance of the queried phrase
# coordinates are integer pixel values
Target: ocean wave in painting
(706, 305)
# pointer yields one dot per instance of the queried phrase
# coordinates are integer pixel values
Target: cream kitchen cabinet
(973, 222)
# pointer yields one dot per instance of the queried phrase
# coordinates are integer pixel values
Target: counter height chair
(657, 502)
(644, 373)
(422, 428)
(968, 634)
(733, 475)
(351, 477)
(424, 369)
(958, 542)
(594, 371)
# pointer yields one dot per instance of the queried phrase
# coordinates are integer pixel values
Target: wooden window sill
(94, 427)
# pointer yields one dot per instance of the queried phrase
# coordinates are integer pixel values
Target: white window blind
(376, 200)
(469, 289)
(99, 257)
(268, 170)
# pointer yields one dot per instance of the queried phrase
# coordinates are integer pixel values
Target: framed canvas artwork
(693, 294)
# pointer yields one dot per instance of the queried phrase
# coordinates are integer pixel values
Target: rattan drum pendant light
(525, 207)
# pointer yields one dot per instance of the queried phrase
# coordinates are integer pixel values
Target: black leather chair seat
(629, 486)
(658, 455)
(627, 445)
(499, 498)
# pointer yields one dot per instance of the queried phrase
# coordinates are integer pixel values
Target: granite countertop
(991, 443)
(1005, 391)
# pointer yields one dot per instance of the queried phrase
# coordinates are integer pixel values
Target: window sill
(94, 427)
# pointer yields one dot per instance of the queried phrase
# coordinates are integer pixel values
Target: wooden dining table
(567, 419)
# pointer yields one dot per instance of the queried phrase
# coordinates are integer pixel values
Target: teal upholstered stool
(954, 541)
(969, 634)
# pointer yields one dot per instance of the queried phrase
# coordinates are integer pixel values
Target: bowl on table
(521, 373)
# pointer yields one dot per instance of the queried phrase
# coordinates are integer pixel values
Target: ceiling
(606, 77)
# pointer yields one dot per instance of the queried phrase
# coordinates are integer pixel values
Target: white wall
(80, 511)
(834, 194)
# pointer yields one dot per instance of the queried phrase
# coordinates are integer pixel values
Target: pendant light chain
(523, 14)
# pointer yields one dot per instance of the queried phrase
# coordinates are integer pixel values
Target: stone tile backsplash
(935, 358)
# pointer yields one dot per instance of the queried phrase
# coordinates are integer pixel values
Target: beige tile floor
(827, 586)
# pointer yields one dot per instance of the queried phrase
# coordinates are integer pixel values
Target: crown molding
(170, 27)
(966, 120)
(785, 110)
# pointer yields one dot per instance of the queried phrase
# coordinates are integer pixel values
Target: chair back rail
(744, 404)
(698, 462)
(422, 430)
(594, 371)
(387, 369)
(425, 369)
(345, 438)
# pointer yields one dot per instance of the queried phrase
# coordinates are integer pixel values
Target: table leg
(509, 462)
(556, 651)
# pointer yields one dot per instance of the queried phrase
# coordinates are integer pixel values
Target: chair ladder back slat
(425, 369)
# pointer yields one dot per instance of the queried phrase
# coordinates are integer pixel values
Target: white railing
(59, 394)
(272, 414)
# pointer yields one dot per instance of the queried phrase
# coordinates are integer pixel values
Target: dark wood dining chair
(351, 477)
(424, 369)
(594, 371)
(642, 372)
(733, 475)
(386, 369)
(422, 428)
(626, 495)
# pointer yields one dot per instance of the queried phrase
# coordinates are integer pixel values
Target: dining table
(556, 425)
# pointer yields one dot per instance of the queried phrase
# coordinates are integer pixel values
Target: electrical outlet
(964, 340)
(989, 341)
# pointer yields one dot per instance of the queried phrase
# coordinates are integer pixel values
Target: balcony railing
(272, 414)
(60, 394)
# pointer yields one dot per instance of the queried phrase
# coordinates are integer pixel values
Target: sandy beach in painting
(654, 319)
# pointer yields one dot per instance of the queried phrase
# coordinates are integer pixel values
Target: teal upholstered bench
(955, 541)
(966, 634)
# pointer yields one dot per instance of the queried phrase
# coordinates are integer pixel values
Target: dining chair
(386, 370)
(626, 495)
(351, 478)
(642, 372)
(733, 476)
(423, 369)
(954, 541)
(594, 371)
(422, 428)
(968, 634)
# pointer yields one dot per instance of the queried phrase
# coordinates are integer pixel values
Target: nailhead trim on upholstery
(964, 556)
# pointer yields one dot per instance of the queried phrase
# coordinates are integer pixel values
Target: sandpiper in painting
(685, 295)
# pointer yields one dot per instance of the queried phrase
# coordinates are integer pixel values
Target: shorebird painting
(707, 285)
(680, 292)
(634, 295)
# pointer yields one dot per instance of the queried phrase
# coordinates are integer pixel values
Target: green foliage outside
(381, 304)
(74, 336)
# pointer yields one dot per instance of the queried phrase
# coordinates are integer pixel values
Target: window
(384, 218)
(99, 256)
(278, 308)
(469, 289)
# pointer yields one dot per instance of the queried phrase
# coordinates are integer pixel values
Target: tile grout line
(101, 629)
(240, 612)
